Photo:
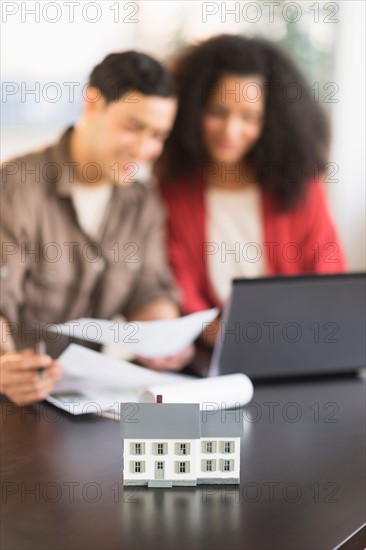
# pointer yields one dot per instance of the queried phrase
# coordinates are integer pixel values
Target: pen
(41, 350)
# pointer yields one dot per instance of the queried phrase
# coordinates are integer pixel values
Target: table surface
(302, 479)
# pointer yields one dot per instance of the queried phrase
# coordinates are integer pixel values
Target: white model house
(167, 444)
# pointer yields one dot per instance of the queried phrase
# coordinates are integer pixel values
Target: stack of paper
(95, 383)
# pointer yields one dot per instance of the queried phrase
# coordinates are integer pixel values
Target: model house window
(137, 467)
(208, 465)
(209, 446)
(226, 465)
(159, 448)
(160, 465)
(137, 448)
(182, 467)
(227, 447)
(182, 448)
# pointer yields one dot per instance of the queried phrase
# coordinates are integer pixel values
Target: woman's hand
(170, 363)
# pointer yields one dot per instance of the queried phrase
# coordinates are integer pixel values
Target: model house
(167, 444)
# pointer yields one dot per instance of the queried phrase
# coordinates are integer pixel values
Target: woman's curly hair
(293, 146)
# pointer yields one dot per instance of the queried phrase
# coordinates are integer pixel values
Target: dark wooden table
(302, 480)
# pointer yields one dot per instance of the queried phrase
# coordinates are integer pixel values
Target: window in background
(46, 62)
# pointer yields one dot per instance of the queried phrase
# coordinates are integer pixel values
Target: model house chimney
(159, 398)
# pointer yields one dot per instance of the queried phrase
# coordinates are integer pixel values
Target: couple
(239, 146)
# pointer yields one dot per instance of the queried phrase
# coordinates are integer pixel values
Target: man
(80, 237)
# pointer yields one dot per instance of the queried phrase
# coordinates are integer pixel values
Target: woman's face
(233, 118)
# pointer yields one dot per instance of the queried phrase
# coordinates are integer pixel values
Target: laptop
(293, 326)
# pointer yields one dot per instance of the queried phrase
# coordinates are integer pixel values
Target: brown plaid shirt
(51, 271)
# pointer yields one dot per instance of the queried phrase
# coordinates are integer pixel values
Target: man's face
(126, 136)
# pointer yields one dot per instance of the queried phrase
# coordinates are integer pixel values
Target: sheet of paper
(93, 382)
(147, 338)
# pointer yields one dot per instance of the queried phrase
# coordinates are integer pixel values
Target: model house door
(159, 470)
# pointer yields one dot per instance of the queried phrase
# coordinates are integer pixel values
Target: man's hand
(173, 362)
(22, 381)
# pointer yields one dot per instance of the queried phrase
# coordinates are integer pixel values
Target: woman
(241, 171)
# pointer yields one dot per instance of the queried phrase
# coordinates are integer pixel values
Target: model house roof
(177, 421)
(221, 423)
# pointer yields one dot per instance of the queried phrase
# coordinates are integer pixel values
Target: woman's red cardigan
(302, 240)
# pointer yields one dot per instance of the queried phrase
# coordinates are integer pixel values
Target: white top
(90, 204)
(234, 246)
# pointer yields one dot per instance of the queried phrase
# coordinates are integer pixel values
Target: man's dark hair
(295, 136)
(120, 73)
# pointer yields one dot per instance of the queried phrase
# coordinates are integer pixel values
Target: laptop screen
(287, 326)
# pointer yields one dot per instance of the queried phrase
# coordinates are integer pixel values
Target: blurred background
(49, 48)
